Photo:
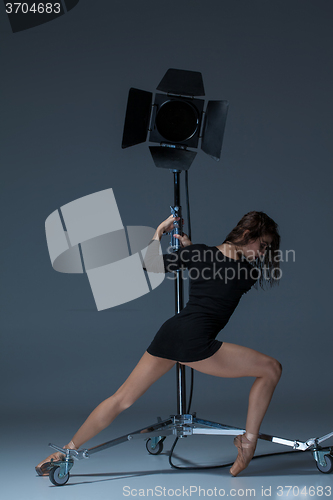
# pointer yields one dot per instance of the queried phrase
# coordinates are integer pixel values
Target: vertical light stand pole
(179, 296)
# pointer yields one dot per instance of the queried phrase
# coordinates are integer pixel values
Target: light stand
(177, 121)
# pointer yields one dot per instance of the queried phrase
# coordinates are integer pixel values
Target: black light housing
(176, 120)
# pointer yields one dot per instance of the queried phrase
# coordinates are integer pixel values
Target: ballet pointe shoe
(246, 445)
(44, 467)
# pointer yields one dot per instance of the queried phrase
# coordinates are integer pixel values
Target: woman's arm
(153, 260)
(166, 226)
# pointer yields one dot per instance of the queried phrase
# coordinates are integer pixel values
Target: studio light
(176, 120)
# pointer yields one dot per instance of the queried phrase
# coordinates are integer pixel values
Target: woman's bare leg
(147, 371)
(232, 361)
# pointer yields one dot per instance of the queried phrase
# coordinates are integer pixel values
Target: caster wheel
(329, 465)
(55, 478)
(154, 451)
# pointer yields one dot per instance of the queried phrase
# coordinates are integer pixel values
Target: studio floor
(128, 471)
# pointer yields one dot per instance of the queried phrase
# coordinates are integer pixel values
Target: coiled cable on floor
(221, 466)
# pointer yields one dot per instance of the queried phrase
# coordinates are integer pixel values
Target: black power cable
(223, 465)
(188, 204)
(187, 196)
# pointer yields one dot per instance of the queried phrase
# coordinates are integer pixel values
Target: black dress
(216, 286)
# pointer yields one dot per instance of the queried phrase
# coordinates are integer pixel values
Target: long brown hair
(255, 225)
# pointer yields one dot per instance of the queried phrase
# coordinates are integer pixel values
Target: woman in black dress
(219, 276)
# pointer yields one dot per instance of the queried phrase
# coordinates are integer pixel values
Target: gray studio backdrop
(64, 88)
